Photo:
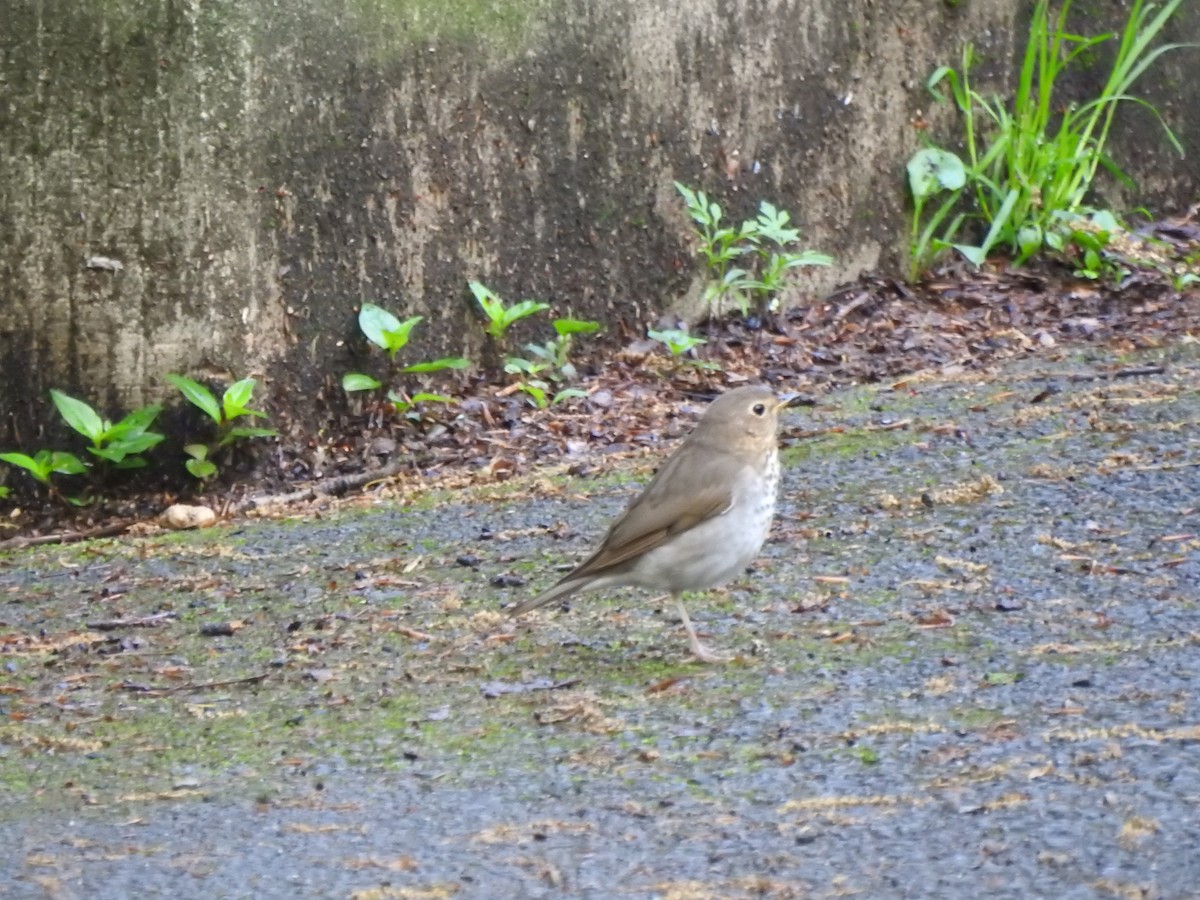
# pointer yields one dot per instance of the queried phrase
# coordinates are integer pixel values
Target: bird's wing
(662, 511)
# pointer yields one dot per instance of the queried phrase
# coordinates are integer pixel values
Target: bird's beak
(793, 399)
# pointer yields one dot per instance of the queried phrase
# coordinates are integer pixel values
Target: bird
(703, 516)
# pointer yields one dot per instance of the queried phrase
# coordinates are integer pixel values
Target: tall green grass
(1028, 170)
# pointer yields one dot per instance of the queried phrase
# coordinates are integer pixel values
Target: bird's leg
(701, 652)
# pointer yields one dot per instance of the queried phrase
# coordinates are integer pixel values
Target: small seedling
(199, 465)
(357, 381)
(762, 241)
(556, 352)
(537, 388)
(121, 444)
(45, 463)
(388, 333)
(403, 404)
(500, 317)
(517, 365)
(677, 341)
(384, 330)
(232, 406)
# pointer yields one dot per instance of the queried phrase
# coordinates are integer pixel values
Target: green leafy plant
(681, 344)
(45, 463)
(121, 444)
(748, 262)
(501, 317)
(677, 341)
(199, 465)
(232, 406)
(534, 385)
(551, 363)
(557, 351)
(408, 404)
(538, 392)
(1028, 171)
(517, 365)
(391, 335)
(357, 381)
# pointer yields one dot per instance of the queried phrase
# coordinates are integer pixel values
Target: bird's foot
(705, 655)
(701, 652)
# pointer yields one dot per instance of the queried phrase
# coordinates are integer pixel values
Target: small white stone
(180, 516)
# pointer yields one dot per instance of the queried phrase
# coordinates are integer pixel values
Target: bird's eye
(758, 409)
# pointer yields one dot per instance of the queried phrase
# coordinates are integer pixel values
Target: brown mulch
(873, 329)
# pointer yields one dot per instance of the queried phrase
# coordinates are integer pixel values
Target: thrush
(701, 519)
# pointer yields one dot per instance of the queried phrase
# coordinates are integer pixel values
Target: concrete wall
(257, 168)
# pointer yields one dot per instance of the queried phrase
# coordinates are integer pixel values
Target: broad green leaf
(1105, 220)
(536, 393)
(134, 423)
(200, 468)
(66, 463)
(566, 394)
(38, 467)
(576, 326)
(357, 381)
(520, 310)
(517, 365)
(136, 443)
(198, 395)
(398, 338)
(422, 397)
(79, 416)
(1086, 240)
(235, 398)
(677, 341)
(975, 255)
(492, 305)
(932, 169)
(196, 451)
(1029, 240)
(438, 365)
(377, 323)
(546, 353)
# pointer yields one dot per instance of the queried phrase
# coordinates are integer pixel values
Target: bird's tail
(564, 588)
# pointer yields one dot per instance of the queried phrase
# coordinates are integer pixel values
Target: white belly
(718, 549)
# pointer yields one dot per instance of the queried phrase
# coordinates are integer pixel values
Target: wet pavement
(966, 665)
